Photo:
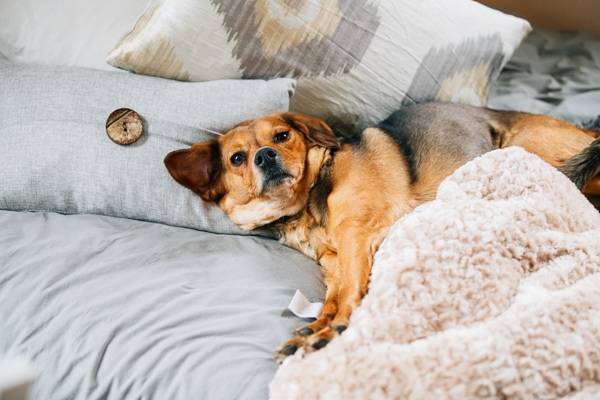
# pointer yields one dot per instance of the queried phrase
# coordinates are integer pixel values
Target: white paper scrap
(303, 308)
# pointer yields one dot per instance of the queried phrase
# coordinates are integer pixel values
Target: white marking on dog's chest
(304, 235)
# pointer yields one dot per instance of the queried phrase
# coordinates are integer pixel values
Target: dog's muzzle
(269, 162)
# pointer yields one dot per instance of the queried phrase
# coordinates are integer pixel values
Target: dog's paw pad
(319, 344)
(306, 331)
(288, 350)
(340, 328)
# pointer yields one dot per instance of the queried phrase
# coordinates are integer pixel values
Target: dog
(334, 199)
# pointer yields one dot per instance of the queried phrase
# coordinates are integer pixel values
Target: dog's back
(437, 138)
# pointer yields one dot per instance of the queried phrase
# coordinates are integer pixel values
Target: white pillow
(355, 59)
(65, 32)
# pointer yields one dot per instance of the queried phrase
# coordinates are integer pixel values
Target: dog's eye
(281, 137)
(238, 158)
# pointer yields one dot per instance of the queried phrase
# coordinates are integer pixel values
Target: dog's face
(259, 171)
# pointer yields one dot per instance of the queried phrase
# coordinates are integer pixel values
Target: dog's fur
(335, 200)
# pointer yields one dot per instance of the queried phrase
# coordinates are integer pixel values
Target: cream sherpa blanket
(490, 291)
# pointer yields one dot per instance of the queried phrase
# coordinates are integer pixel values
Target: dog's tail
(582, 167)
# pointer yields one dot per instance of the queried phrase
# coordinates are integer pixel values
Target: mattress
(109, 308)
(555, 73)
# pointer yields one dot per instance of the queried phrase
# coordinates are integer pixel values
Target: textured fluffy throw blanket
(490, 291)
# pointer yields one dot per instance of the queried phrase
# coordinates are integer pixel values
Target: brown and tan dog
(334, 200)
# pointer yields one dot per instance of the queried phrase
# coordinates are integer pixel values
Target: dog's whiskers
(211, 131)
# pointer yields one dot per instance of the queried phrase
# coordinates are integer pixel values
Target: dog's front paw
(308, 340)
(320, 339)
(289, 348)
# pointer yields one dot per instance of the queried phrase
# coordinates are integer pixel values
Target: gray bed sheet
(555, 73)
(110, 308)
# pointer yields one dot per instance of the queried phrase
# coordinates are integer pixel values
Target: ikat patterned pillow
(356, 60)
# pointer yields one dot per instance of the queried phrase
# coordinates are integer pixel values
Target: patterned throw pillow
(356, 60)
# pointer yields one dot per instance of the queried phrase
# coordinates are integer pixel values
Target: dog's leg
(357, 243)
(573, 150)
(329, 262)
(552, 140)
(356, 259)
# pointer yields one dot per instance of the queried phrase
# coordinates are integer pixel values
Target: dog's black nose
(265, 157)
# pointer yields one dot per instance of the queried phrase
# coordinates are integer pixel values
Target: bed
(117, 308)
(169, 301)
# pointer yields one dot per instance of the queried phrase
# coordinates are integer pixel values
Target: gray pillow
(56, 156)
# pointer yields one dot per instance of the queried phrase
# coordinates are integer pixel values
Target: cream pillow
(355, 59)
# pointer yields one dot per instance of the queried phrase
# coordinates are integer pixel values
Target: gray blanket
(110, 308)
(552, 73)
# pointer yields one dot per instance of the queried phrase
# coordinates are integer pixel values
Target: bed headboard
(580, 15)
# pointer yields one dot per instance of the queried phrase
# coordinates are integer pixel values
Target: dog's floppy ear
(198, 168)
(317, 132)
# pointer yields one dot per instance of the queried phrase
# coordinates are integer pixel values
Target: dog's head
(259, 171)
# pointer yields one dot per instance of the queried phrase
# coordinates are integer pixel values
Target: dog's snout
(272, 170)
(265, 157)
